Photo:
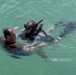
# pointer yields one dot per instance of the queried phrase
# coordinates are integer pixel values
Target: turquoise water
(63, 55)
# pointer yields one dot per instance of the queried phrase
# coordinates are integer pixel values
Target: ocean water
(61, 56)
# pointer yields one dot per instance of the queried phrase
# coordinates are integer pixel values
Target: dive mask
(28, 26)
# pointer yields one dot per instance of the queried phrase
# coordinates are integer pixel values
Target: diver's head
(30, 26)
(7, 31)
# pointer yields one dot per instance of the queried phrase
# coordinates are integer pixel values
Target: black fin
(70, 26)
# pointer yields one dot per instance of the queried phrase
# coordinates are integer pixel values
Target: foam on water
(59, 59)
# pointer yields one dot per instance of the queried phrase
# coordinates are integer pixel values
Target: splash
(59, 59)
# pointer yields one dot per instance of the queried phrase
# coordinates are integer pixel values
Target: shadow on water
(17, 53)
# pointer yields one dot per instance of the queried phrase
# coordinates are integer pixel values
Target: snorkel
(39, 22)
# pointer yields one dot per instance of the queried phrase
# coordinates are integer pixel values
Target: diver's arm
(34, 43)
(44, 44)
(38, 46)
(19, 33)
(33, 48)
(30, 47)
(41, 45)
(15, 28)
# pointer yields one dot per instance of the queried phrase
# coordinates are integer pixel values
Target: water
(62, 56)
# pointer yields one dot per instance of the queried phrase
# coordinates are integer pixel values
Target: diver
(34, 33)
(10, 37)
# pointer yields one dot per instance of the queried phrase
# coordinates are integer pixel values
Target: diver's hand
(29, 49)
(16, 27)
(42, 45)
(26, 48)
